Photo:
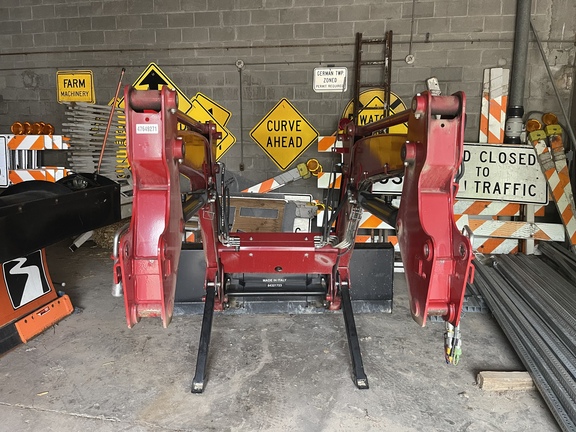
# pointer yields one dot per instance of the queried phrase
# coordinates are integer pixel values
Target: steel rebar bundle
(533, 299)
(86, 128)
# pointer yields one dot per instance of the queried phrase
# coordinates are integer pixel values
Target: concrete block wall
(197, 43)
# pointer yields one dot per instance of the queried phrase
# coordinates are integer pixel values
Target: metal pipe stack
(86, 128)
(534, 300)
(560, 258)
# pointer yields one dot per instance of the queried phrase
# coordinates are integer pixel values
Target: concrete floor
(266, 373)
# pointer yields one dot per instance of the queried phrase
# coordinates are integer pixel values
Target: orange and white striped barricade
(484, 108)
(464, 209)
(493, 108)
(489, 236)
(327, 180)
(264, 187)
(501, 237)
(554, 134)
(487, 245)
(367, 238)
(491, 208)
(328, 143)
(52, 174)
(497, 237)
(192, 231)
(300, 172)
(36, 142)
(370, 222)
(23, 159)
(486, 208)
(560, 190)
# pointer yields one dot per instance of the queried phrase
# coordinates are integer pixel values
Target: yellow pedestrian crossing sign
(284, 134)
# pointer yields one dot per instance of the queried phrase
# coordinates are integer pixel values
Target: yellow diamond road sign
(201, 108)
(200, 113)
(372, 109)
(284, 134)
(220, 114)
(153, 78)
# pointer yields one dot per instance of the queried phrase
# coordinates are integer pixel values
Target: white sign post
(493, 173)
(330, 79)
(3, 162)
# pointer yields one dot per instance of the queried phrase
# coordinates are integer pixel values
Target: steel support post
(200, 376)
(360, 378)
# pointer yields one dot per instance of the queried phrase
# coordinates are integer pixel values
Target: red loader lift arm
(146, 256)
(436, 256)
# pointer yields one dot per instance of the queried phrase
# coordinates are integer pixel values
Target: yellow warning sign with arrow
(153, 78)
(201, 108)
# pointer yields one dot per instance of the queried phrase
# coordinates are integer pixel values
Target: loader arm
(147, 253)
(436, 256)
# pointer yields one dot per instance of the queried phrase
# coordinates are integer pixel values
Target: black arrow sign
(25, 279)
(153, 80)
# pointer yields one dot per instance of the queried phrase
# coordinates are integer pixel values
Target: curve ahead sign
(284, 134)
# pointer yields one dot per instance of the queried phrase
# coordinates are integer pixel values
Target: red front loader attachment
(436, 256)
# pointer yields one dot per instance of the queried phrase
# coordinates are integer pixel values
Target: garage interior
(227, 215)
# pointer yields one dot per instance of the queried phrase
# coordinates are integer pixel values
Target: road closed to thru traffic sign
(496, 172)
(502, 172)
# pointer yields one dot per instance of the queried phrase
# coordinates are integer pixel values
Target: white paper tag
(146, 128)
